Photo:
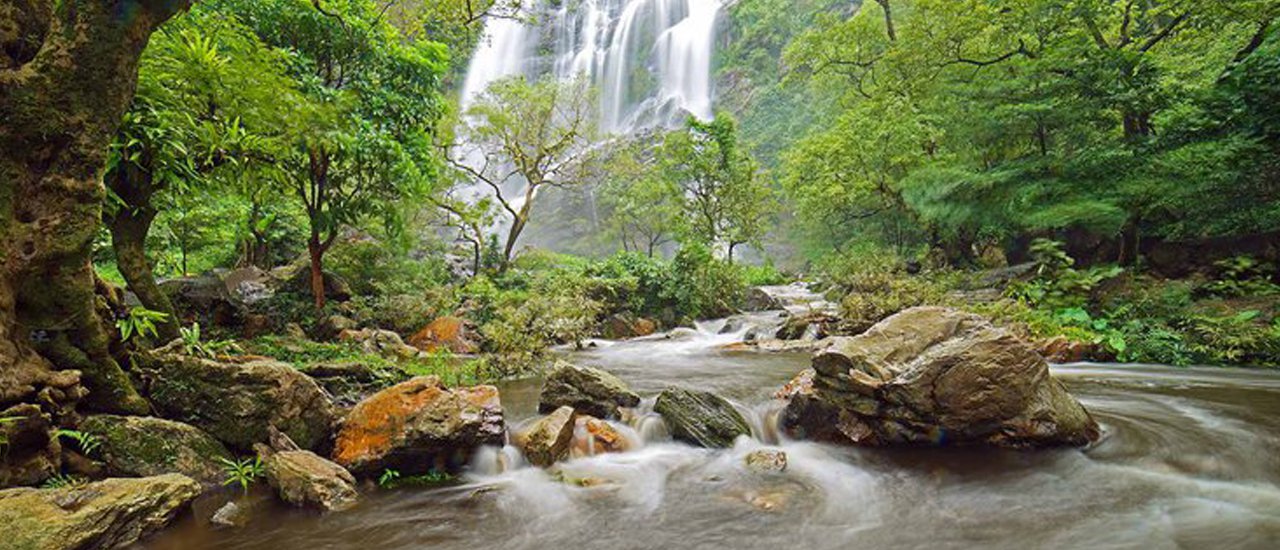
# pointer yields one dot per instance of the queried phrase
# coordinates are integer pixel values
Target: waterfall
(649, 59)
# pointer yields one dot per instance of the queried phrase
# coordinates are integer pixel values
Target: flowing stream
(1191, 459)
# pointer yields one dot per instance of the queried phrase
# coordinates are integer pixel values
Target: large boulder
(204, 299)
(445, 333)
(701, 418)
(588, 390)
(237, 403)
(547, 440)
(305, 480)
(934, 376)
(138, 446)
(624, 326)
(418, 426)
(108, 514)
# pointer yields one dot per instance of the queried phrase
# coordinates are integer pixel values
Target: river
(1190, 459)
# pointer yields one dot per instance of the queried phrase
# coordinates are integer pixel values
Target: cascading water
(649, 59)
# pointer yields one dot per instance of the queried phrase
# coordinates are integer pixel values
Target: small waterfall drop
(649, 59)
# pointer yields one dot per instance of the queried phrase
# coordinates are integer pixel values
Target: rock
(592, 436)
(380, 342)
(136, 446)
(249, 285)
(1062, 350)
(108, 514)
(330, 327)
(237, 403)
(935, 376)
(588, 390)
(624, 326)
(701, 418)
(231, 515)
(305, 480)
(297, 279)
(255, 325)
(445, 333)
(293, 331)
(417, 426)
(30, 454)
(759, 299)
(547, 440)
(807, 326)
(204, 299)
(766, 461)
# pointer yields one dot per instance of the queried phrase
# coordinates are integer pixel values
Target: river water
(1191, 459)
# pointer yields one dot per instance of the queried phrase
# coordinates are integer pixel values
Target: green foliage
(193, 344)
(140, 321)
(243, 472)
(64, 481)
(86, 443)
(1242, 276)
(392, 479)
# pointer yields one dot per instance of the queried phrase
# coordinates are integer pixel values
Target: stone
(204, 299)
(418, 426)
(592, 436)
(237, 403)
(380, 342)
(445, 333)
(113, 513)
(547, 440)
(351, 382)
(231, 515)
(249, 285)
(759, 299)
(701, 418)
(807, 326)
(935, 376)
(30, 453)
(137, 446)
(306, 480)
(764, 461)
(1062, 350)
(588, 390)
(331, 326)
(624, 326)
(293, 331)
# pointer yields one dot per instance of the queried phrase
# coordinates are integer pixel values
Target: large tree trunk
(129, 225)
(66, 79)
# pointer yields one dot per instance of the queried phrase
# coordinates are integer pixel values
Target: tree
(726, 201)
(371, 100)
(642, 203)
(67, 73)
(521, 137)
(210, 97)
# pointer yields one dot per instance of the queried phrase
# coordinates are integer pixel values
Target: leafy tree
(644, 205)
(726, 201)
(521, 137)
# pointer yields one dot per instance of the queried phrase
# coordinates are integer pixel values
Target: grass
(452, 370)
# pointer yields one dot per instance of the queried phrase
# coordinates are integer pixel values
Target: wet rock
(547, 440)
(759, 299)
(807, 326)
(237, 403)
(935, 376)
(592, 436)
(623, 326)
(418, 426)
(380, 342)
(108, 514)
(588, 390)
(445, 333)
(305, 480)
(1063, 350)
(766, 461)
(231, 515)
(701, 418)
(136, 446)
(31, 454)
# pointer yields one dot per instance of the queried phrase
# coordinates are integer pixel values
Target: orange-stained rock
(448, 333)
(418, 426)
(592, 436)
(1063, 350)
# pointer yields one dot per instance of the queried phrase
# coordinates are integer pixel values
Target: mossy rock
(137, 446)
(701, 418)
(587, 390)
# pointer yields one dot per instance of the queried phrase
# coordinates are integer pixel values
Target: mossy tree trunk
(130, 223)
(68, 70)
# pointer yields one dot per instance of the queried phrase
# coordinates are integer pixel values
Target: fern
(87, 442)
(243, 472)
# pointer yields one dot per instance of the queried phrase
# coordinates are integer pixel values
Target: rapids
(1191, 459)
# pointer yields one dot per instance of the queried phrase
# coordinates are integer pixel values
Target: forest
(267, 254)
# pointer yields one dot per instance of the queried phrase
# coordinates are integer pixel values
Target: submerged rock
(107, 514)
(306, 480)
(144, 446)
(417, 426)
(588, 390)
(547, 440)
(237, 403)
(701, 418)
(766, 461)
(231, 515)
(935, 376)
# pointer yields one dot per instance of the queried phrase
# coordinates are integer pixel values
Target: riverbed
(1190, 459)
